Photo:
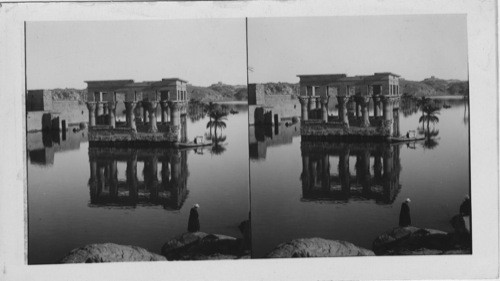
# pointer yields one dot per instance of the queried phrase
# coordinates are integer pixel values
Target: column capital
(174, 105)
(365, 100)
(303, 100)
(151, 105)
(91, 105)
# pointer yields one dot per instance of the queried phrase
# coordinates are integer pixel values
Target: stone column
(91, 107)
(386, 108)
(99, 112)
(303, 108)
(112, 112)
(164, 111)
(105, 108)
(342, 102)
(175, 115)
(358, 106)
(312, 104)
(145, 118)
(138, 112)
(129, 107)
(376, 104)
(365, 101)
(152, 105)
(324, 108)
(395, 118)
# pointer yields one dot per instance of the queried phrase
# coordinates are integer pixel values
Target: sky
(201, 51)
(413, 46)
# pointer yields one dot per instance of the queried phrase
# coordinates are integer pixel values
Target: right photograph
(359, 136)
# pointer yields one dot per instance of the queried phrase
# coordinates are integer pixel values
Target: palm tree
(429, 113)
(209, 108)
(423, 102)
(217, 118)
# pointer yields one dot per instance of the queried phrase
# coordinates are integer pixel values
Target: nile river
(353, 192)
(79, 196)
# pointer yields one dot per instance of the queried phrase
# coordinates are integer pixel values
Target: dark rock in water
(418, 241)
(203, 246)
(109, 252)
(317, 247)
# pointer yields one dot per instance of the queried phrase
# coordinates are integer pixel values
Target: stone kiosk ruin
(354, 96)
(142, 125)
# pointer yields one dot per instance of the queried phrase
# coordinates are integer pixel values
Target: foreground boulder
(203, 246)
(317, 247)
(109, 252)
(418, 241)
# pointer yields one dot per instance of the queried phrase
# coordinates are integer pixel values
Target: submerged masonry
(354, 95)
(142, 100)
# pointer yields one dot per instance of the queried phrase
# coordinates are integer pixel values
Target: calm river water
(74, 200)
(353, 192)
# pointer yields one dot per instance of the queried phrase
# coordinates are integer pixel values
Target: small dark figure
(465, 207)
(194, 222)
(404, 215)
(407, 135)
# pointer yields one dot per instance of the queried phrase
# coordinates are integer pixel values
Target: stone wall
(105, 135)
(72, 111)
(39, 100)
(336, 129)
(283, 105)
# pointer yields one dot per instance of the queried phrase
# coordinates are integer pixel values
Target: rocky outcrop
(109, 252)
(317, 247)
(203, 246)
(419, 241)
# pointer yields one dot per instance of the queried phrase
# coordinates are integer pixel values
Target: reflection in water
(321, 182)
(170, 190)
(42, 146)
(261, 137)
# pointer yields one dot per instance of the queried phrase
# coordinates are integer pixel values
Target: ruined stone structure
(326, 173)
(142, 100)
(355, 96)
(270, 109)
(44, 114)
(106, 189)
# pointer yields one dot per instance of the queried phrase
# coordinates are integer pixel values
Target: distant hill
(215, 92)
(69, 94)
(218, 92)
(434, 87)
(427, 87)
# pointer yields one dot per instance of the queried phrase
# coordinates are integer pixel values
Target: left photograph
(137, 141)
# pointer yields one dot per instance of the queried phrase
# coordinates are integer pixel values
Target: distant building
(272, 109)
(141, 101)
(45, 114)
(354, 95)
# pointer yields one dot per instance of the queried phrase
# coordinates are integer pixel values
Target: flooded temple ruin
(354, 95)
(110, 189)
(142, 125)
